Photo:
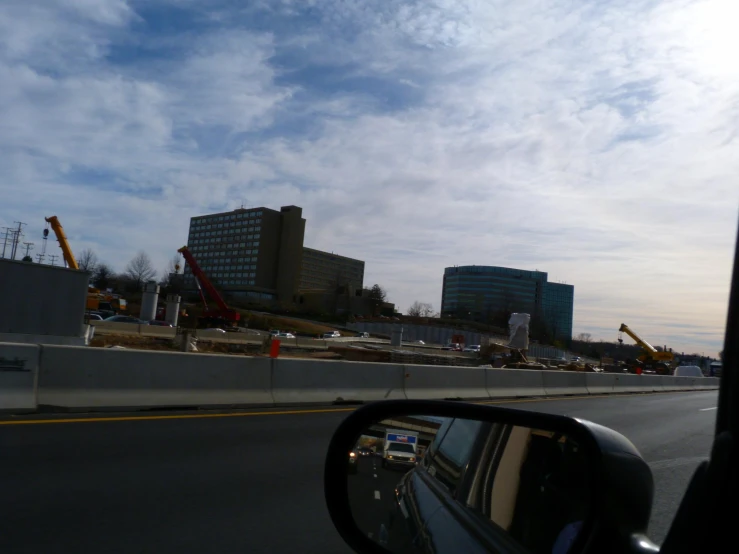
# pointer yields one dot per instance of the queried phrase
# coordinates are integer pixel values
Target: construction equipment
(62, 238)
(223, 314)
(660, 361)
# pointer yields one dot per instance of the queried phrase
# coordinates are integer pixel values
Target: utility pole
(53, 258)
(29, 246)
(40, 258)
(17, 234)
(5, 242)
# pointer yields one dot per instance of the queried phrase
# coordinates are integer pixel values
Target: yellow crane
(661, 360)
(62, 238)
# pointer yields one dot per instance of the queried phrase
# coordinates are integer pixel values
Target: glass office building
(484, 293)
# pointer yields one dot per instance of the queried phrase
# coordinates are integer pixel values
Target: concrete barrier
(18, 374)
(113, 327)
(600, 383)
(505, 383)
(158, 331)
(638, 383)
(73, 377)
(558, 382)
(439, 382)
(328, 381)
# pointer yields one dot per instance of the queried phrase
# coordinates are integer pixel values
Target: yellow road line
(307, 411)
(180, 416)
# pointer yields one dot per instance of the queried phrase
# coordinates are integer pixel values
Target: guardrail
(73, 378)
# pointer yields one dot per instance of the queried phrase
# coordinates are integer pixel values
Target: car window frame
(727, 416)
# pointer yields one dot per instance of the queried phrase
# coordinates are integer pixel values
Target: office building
(255, 253)
(490, 293)
(327, 271)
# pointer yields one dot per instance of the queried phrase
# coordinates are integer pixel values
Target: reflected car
(456, 480)
(353, 462)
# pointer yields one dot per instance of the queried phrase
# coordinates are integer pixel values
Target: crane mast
(62, 239)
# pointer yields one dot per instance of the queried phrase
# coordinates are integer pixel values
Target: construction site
(150, 320)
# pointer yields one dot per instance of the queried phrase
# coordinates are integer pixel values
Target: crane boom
(637, 339)
(204, 283)
(62, 238)
(650, 352)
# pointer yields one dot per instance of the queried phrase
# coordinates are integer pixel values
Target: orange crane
(223, 312)
(62, 238)
(661, 360)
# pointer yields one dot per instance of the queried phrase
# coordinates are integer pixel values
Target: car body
(364, 451)
(472, 348)
(444, 481)
(158, 323)
(332, 335)
(452, 346)
(124, 319)
(283, 335)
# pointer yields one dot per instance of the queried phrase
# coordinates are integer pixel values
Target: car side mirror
(414, 476)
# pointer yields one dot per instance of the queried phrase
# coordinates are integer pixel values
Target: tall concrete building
(485, 292)
(254, 253)
(326, 271)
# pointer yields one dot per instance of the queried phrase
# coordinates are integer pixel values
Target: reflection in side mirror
(421, 483)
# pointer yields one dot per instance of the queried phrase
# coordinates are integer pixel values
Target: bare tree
(584, 337)
(88, 261)
(421, 309)
(103, 276)
(140, 269)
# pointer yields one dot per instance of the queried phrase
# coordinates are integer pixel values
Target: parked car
(124, 319)
(158, 323)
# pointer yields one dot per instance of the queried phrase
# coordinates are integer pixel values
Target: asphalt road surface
(252, 482)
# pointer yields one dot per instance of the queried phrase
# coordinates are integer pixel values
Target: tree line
(138, 271)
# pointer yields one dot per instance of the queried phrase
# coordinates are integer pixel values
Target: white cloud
(592, 141)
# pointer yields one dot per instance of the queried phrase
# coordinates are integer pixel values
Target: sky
(596, 141)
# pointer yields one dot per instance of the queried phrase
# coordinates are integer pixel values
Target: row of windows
(209, 250)
(226, 234)
(492, 270)
(209, 220)
(224, 281)
(214, 243)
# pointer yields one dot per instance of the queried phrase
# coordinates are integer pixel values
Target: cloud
(592, 141)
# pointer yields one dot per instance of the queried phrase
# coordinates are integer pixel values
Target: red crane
(223, 312)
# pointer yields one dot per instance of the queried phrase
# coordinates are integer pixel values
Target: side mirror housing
(415, 476)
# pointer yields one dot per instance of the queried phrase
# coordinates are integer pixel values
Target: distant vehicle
(282, 335)
(331, 335)
(159, 323)
(472, 348)
(363, 335)
(124, 319)
(417, 342)
(399, 448)
(453, 346)
(353, 462)
(364, 451)
(688, 371)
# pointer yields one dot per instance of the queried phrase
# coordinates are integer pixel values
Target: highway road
(252, 481)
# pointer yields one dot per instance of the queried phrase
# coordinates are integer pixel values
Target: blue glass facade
(483, 292)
